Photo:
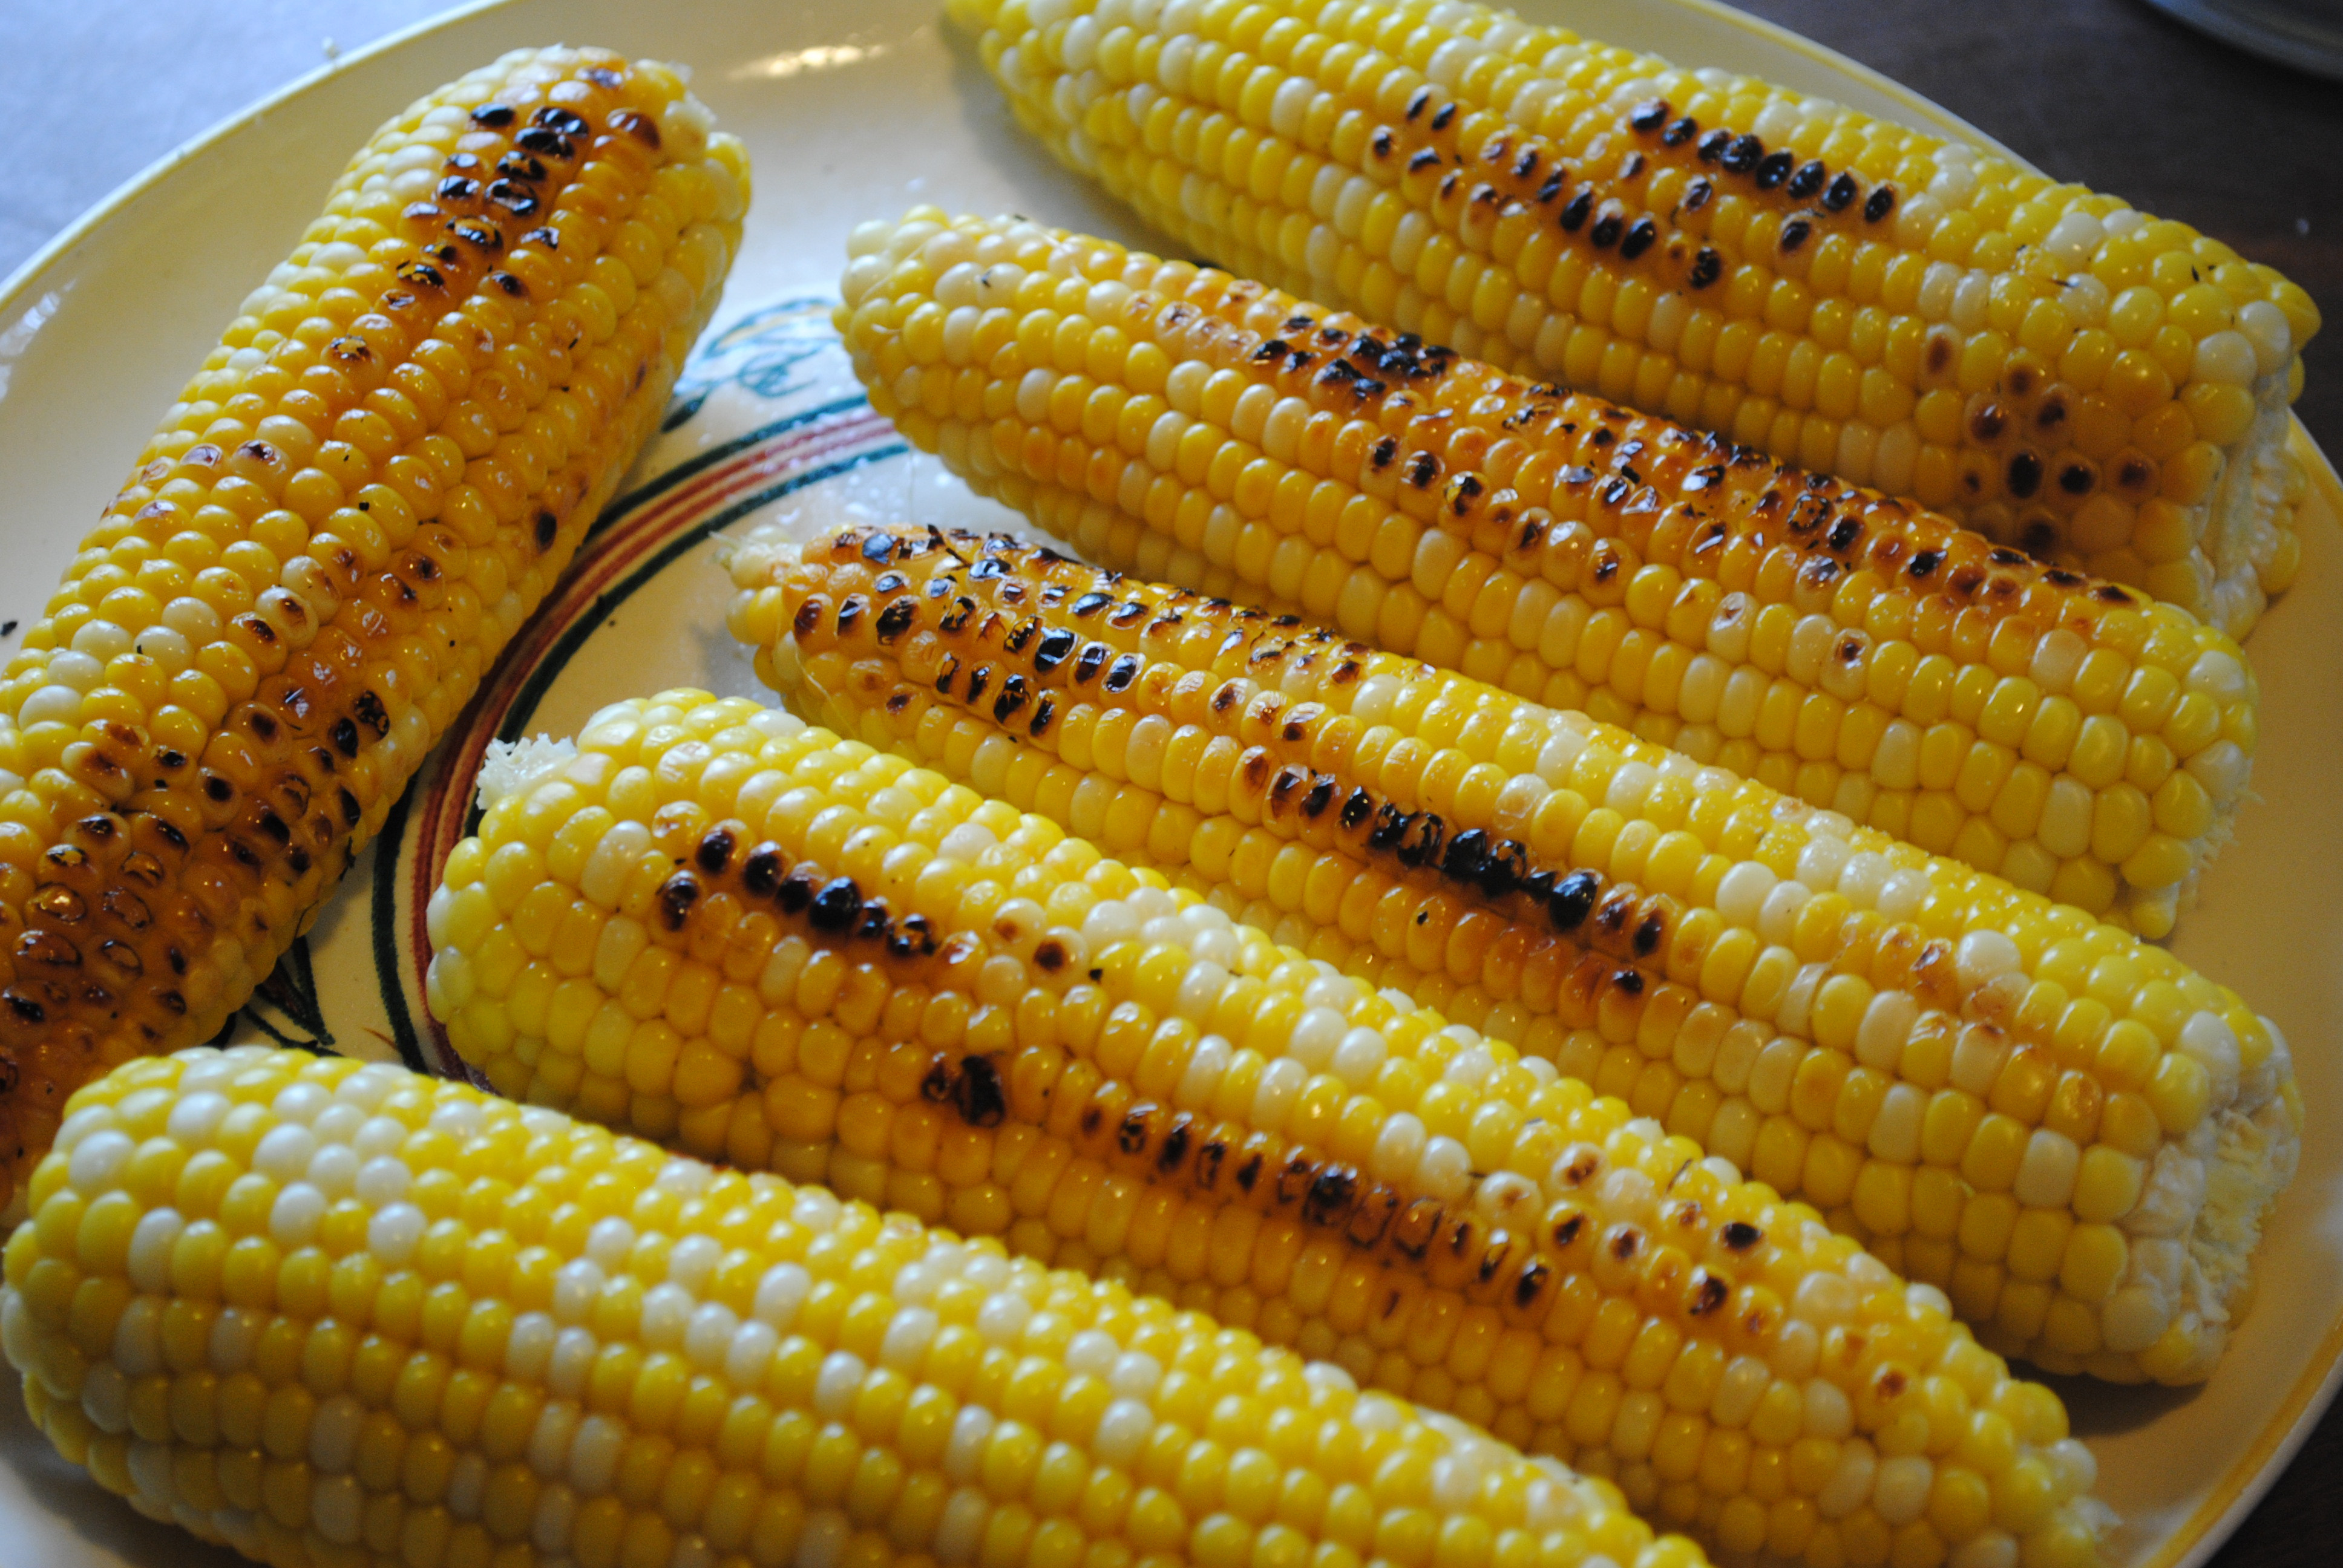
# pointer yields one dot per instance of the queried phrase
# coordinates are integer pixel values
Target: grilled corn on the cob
(2064, 1127)
(2067, 374)
(328, 1312)
(762, 941)
(1828, 642)
(392, 453)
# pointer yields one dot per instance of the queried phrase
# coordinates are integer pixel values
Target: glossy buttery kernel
(328, 1312)
(376, 475)
(1831, 643)
(753, 939)
(2066, 1128)
(2067, 376)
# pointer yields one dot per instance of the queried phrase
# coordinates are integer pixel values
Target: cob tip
(514, 767)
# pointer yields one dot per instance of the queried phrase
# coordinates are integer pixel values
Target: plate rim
(2280, 1438)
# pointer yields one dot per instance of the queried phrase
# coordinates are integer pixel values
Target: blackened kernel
(1877, 204)
(1809, 178)
(1774, 168)
(1841, 192)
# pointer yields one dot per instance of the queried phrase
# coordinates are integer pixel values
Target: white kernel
(528, 1346)
(1206, 1067)
(1986, 1549)
(1316, 1034)
(1091, 1354)
(394, 1232)
(285, 1152)
(2075, 238)
(381, 1181)
(748, 1355)
(964, 1449)
(594, 1455)
(1850, 1484)
(1124, 1430)
(1359, 1057)
(334, 1169)
(2266, 326)
(2078, 1470)
(909, 1334)
(609, 1243)
(138, 1337)
(692, 1260)
(1471, 1066)
(574, 1350)
(779, 1294)
(1901, 1489)
(1742, 892)
(2226, 358)
(2219, 676)
(300, 1103)
(1280, 1084)
(1002, 1318)
(294, 1218)
(707, 1336)
(1986, 955)
(97, 1162)
(380, 1135)
(1824, 1300)
(150, 1248)
(333, 1434)
(1904, 894)
(2046, 1172)
(1135, 1374)
(836, 1383)
(1398, 1147)
(960, 1529)
(194, 1117)
(1444, 1169)
(234, 1334)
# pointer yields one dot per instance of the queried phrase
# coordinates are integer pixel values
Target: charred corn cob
(1828, 642)
(760, 940)
(2066, 375)
(329, 1312)
(2064, 1127)
(392, 453)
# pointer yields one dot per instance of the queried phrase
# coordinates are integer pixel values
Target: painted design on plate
(767, 417)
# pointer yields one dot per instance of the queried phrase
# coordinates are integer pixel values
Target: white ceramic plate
(854, 112)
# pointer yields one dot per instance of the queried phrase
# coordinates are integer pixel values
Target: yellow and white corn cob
(388, 458)
(758, 940)
(328, 1313)
(1829, 642)
(2066, 1130)
(2066, 375)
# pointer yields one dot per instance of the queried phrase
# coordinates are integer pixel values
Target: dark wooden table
(2106, 92)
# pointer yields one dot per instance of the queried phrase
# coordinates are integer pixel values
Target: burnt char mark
(1740, 1235)
(978, 1093)
(1055, 645)
(1573, 899)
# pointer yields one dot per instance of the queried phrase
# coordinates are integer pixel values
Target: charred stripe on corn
(1831, 642)
(2063, 1127)
(2064, 374)
(806, 954)
(379, 472)
(324, 1312)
